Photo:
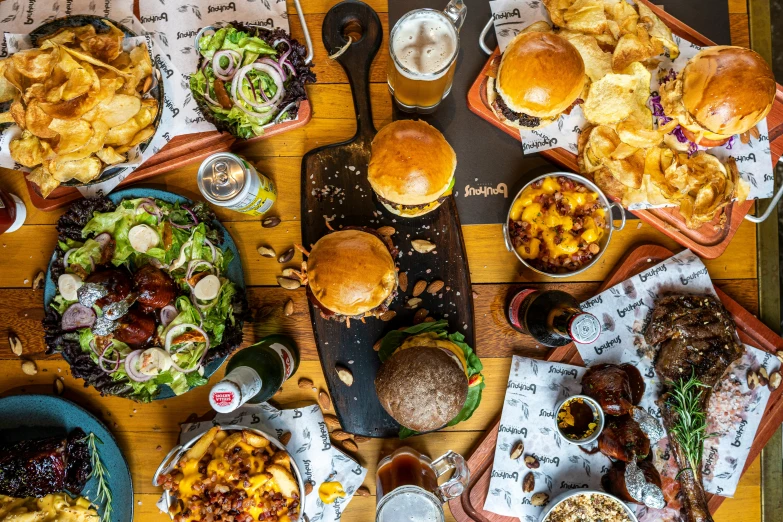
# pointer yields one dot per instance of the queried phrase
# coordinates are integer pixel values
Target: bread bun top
(351, 272)
(540, 74)
(422, 388)
(411, 163)
(727, 90)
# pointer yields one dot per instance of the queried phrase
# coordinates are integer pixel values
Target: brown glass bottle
(552, 317)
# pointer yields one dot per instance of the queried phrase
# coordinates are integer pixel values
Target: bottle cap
(225, 397)
(21, 215)
(584, 328)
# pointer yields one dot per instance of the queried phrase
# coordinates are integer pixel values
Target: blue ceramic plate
(234, 273)
(39, 416)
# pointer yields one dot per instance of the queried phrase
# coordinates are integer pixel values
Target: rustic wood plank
(740, 32)
(21, 312)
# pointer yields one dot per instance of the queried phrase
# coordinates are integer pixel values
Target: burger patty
(524, 119)
(378, 310)
(409, 207)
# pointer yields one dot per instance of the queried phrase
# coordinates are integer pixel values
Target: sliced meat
(623, 439)
(610, 386)
(155, 287)
(136, 328)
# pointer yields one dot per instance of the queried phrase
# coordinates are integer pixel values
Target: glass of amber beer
(407, 485)
(424, 45)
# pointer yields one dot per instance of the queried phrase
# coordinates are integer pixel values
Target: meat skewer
(697, 342)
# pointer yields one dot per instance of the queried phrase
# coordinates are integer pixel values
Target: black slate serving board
(344, 165)
(488, 158)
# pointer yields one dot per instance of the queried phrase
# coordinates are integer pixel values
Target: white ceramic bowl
(605, 204)
(568, 494)
(178, 451)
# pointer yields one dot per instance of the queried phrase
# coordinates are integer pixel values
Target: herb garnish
(101, 474)
(690, 430)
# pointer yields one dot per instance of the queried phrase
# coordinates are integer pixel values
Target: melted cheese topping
(57, 507)
(544, 222)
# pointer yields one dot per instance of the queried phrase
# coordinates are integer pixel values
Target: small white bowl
(596, 408)
(568, 494)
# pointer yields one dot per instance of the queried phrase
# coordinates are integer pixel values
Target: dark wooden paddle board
(334, 184)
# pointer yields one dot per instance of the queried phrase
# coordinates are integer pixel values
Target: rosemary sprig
(690, 430)
(101, 474)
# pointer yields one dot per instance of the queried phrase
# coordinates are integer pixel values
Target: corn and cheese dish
(233, 476)
(56, 507)
(556, 224)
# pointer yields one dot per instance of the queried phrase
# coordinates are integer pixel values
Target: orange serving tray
(469, 506)
(180, 151)
(711, 239)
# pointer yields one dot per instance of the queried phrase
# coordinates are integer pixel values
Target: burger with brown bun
(541, 75)
(722, 91)
(411, 168)
(350, 274)
(429, 379)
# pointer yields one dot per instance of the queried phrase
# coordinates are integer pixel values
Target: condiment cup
(603, 243)
(178, 451)
(568, 494)
(599, 421)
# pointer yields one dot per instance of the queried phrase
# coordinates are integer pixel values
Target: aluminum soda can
(229, 181)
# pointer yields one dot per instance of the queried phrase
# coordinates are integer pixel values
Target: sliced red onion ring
(195, 264)
(102, 360)
(286, 63)
(192, 214)
(130, 367)
(240, 76)
(276, 66)
(78, 316)
(225, 73)
(182, 227)
(167, 314)
(213, 249)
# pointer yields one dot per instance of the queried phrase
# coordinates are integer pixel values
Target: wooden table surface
(147, 431)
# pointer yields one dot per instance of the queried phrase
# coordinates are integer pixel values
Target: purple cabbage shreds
(679, 134)
(730, 143)
(671, 75)
(692, 148)
(657, 110)
(70, 224)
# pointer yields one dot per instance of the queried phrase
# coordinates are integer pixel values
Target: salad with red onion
(249, 77)
(142, 299)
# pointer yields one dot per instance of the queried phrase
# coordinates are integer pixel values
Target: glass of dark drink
(407, 485)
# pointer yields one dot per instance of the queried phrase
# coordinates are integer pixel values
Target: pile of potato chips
(622, 150)
(81, 102)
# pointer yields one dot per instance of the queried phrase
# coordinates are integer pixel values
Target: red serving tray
(711, 239)
(469, 506)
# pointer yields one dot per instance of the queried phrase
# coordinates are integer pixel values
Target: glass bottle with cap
(12, 212)
(553, 318)
(255, 374)
(407, 487)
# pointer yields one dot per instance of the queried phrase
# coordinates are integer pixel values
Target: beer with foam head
(423, 46)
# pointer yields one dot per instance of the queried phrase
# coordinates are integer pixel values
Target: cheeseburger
(429, 378)
(350, 274)
(411, 168)
(541, 75)
(722, 91)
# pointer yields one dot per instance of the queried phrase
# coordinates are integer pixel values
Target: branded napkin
(310, 447)
(734, 412)
(754, 160)
(535, 388)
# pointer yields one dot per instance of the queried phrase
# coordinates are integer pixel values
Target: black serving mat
(488, 159)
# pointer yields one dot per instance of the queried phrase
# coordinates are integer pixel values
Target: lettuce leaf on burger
(429, 379)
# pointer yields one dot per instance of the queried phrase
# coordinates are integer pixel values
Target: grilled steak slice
(696, 337)
(36, 468)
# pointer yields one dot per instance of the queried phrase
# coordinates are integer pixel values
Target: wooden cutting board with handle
(335, 187)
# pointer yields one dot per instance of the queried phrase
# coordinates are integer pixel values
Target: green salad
(145, 293)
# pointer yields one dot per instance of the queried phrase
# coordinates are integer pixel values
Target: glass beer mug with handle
(407, 485)
(424, 45)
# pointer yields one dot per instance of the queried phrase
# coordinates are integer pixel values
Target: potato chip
(632, 48)
(633, 133)
(42, 178)
(7, 89)
(29, 150)
(109, 156)
(18, 113)
(597, 62)
(93, 145)
(586, 16)
(624, 15)
(658, 30)
(37, 121)
(610, 99)
(104, 46)
(74, 134)
(123, 134)
(115, 111)
(35, 64)
(85, 169)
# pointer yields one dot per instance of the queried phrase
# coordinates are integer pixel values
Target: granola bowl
(586, 504)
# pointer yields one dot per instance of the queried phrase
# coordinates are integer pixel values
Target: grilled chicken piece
(696, 337)
(116, 281)
(614, 480)
(136, 328)
(610, 385)
(155, 288)
(623, 439)
(36, 468)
